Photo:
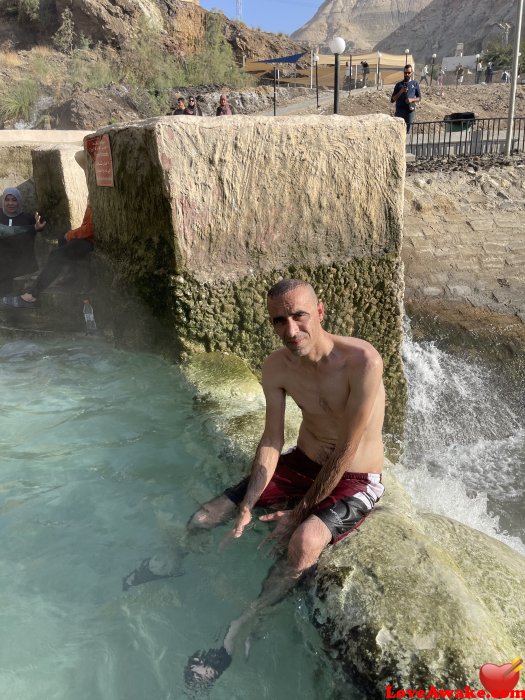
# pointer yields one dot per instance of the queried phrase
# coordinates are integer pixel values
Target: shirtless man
(332, 479)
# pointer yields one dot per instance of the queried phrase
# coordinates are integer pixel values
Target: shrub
(64, 37)
(19, 103)
(28, 10)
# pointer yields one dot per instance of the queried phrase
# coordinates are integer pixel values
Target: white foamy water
(464, 451)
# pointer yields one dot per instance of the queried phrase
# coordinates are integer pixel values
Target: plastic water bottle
(89, 317)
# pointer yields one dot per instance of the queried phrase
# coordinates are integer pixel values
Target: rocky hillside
(181, 26)
(362, 23)
(443, 23)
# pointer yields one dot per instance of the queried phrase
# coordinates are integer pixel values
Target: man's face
(407, 73)
(296, 318)
(10, 204)
(180, 104)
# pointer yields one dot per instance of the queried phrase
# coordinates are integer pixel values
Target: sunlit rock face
(206, 214)
(414, 599)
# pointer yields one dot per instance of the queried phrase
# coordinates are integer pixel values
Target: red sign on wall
(99, 149)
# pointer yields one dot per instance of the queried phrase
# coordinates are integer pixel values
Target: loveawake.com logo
(499, 682)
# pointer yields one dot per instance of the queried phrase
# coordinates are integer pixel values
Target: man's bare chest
(319, 395)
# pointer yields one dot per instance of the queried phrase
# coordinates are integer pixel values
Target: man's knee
(213, 513)
(307, 543)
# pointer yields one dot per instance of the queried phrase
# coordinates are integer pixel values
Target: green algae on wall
(361, 298)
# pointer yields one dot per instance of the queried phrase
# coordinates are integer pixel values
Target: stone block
(485, 224)
(206, 214)
(61, 187)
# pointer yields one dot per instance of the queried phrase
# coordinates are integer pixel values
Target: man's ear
(320, 310)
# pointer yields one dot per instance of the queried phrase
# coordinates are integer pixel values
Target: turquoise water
(104, 460)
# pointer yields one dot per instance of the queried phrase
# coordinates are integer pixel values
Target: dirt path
(483, 100)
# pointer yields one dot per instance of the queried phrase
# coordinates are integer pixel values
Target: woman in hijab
(17, 238)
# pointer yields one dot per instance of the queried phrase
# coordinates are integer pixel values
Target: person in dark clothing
(76, 245)
(17, 254)
(224, 109)
(193, 108)
(406, 94)
(181, 106)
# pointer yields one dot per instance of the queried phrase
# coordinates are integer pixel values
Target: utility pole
(514, 78)
(239, 10)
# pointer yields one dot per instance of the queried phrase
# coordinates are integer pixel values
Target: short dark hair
(180, 99)
(408, 65)
(282, 287)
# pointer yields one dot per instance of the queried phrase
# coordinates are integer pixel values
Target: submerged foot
(149, 570)
(205, 667)
(18, 301)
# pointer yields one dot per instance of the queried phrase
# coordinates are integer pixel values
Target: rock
(415, 599)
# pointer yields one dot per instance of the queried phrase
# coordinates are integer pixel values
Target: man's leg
(152, 568)
(304, 550)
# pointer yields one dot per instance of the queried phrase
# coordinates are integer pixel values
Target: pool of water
(104, 460)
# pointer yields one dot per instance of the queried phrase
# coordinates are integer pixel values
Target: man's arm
(271, 443)
(397, 95)
(364, 379)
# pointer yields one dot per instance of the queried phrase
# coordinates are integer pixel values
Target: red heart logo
(498, 680)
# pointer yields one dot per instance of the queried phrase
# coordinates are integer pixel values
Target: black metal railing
(464, 137)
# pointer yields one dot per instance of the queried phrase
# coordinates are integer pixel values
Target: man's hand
(286, 524)
(39, 222)
(243, 520)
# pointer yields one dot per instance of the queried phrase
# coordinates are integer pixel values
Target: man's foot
(205, 667)
(17, 301)
(149, 570)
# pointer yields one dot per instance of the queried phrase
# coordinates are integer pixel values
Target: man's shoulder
(358, 351)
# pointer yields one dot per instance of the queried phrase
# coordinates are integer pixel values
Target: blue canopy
(286, 59)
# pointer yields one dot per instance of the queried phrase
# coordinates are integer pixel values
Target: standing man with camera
(406, 94)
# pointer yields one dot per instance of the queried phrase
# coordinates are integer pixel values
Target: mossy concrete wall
(205, 214)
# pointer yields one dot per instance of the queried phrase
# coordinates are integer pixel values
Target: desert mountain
(362, 23)
(444, 23)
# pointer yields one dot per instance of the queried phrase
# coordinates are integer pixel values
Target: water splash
(464, 447)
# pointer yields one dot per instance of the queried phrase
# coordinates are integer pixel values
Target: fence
(464, 137)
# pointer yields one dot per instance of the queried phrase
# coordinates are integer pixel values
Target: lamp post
(477, 68)
(432, 68)
(514, 78)
(378, 77)
(337, 46)
(316, 61)
(407, 51)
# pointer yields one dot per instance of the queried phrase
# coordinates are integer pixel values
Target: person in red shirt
(75, 245)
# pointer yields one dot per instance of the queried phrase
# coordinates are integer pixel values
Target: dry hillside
(362, 23)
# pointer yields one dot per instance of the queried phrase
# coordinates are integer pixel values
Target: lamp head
(337, 45)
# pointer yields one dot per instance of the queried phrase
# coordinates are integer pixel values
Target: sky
(269, 15)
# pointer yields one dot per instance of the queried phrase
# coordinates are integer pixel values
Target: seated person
(224, 109)
(193, 108)
(17, 238)
(181, 107)
(75, 245)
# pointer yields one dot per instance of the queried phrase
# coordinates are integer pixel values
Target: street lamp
(316, 61)
(378, 79)
(432, 69)
(407, 51)
(337, 46)
(515, 67)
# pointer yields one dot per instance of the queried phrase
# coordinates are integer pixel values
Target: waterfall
(464, 448)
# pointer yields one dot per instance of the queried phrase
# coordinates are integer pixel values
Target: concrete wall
(463, 238)
(206, 214)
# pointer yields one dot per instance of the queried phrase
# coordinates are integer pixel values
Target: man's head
(407, 71)
(223, 100)
(11, 201)
(180, 103)
(296, 315)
